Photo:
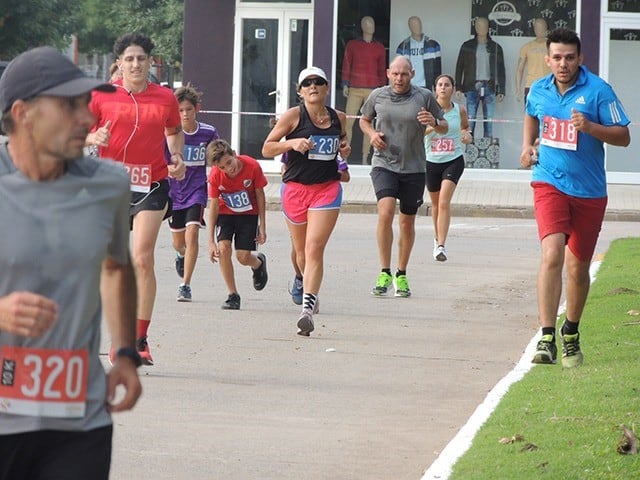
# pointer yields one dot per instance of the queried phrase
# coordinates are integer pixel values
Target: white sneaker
(440, 254)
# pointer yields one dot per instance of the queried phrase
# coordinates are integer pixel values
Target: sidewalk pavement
(477, 195)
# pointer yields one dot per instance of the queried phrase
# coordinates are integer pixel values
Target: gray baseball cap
(44, 71)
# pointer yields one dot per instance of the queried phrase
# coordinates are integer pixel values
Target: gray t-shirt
(483, 71)
(56, 235)
(397, 117)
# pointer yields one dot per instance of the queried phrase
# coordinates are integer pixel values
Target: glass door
(272, 46)
(620, 42)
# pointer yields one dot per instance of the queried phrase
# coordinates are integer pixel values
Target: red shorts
(580, 219)
(298, 198)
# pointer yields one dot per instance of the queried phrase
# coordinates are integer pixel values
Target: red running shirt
(137, 128)
(237, 196)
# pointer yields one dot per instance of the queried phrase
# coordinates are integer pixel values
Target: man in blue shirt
(570, 114)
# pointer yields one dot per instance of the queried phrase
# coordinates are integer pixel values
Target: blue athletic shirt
(579, 173)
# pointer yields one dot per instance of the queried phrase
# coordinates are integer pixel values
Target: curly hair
(188, 93)
(135, 38)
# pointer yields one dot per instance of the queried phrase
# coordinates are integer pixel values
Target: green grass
(574, 416)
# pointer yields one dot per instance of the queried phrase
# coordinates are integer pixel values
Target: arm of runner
(345, 148)
(118, 290)
(465, 131)
(100, 137)
(617, 135)
(376, 137)
(262, 217)
(529, 154)
(273, 145)
(175, 143)
(213, 220)
(27, 314)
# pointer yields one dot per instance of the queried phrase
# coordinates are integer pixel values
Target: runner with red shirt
(132, 127)
(237, 212)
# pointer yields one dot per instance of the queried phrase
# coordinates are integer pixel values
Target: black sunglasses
(318, 81)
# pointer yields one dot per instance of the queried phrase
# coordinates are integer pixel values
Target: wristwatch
(131, 353)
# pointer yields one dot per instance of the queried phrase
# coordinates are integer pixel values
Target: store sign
(515, 18)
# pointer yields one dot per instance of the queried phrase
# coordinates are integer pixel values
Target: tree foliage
(28, 24)
(96, 24)
(162, 20)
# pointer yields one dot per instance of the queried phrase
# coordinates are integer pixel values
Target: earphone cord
(135, 126)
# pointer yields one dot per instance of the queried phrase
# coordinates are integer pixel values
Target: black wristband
(131, 353)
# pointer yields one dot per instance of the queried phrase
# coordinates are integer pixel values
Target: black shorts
(242, 229)
(181, 219)
(56, 454)
(155, 199)
(437, 172)
(406, 187)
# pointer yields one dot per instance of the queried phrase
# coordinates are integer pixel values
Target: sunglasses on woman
(318, 81)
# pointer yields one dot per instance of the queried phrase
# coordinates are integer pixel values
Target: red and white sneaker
(143, 350)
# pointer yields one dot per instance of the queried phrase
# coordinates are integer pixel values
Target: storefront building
(245, 56)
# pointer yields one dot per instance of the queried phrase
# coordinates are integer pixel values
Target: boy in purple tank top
(189, 196)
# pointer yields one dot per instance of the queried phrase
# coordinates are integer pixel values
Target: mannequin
(424, 53)
(532, 57)
(363, 69)
(480, 75)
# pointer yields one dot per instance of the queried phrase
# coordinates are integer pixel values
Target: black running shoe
(143, 349)
(180, 266)
(232, 302)
(260, 276)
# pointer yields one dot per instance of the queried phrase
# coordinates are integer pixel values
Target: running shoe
(305, 323)
(184, 293)
(546, 350)
(143, 350)
(180, 266)
(382, 284)
(571, 353)
(401, 284)
(260, 275)
(232, 302)
(440, 254)
(296, 291)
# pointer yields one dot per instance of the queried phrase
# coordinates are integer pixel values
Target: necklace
(322, 118)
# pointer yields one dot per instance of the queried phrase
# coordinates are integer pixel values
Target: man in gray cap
(66, 218)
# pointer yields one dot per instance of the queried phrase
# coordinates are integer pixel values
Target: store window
(448, 25)
(632, 6)
(362, 59)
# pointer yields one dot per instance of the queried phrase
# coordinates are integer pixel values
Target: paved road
(238, 395)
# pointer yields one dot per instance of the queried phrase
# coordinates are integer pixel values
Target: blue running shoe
(296, 291)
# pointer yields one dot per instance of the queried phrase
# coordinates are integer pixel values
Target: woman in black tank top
(314, 136)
